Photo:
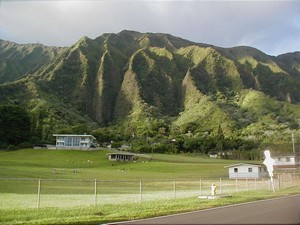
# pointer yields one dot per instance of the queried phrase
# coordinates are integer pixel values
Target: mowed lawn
(68, 177)
(70, 199)
(68, 164)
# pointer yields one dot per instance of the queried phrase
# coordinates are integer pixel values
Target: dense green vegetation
(19, 60)
(15, 125)
(157, 92)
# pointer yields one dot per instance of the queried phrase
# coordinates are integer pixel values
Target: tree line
(19, 130)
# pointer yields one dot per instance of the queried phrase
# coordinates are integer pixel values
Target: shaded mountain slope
(18, 60)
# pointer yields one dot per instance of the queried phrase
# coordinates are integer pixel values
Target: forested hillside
(156, 91)
(20, 60)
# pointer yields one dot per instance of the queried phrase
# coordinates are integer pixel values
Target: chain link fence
(40, 193)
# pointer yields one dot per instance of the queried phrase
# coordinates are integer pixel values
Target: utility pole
(299, 134)
(293, 141)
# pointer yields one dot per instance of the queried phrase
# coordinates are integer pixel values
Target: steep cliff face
(130, 75)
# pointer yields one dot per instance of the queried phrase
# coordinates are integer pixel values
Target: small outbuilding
(121, 156)
(246, 170)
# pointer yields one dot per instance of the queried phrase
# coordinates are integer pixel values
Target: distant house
(121, 156)
(287, 162)
(246, 170)
(74, 141)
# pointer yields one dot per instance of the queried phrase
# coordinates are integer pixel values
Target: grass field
(32, 163)
(68, 195)
(123, 212)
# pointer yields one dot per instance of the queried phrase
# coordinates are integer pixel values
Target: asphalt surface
(285, 210)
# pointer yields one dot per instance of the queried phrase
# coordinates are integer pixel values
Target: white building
(246, 170)
(120, 156)
(74, 141)
(287, 162)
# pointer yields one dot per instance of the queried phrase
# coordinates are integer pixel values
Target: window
(69, 141)
(250, 170)
(236, 170)
(288, 159)
(76, 141)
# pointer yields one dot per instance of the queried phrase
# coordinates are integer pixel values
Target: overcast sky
(271, 26)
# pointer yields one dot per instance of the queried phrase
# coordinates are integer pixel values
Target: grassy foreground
(123, 212)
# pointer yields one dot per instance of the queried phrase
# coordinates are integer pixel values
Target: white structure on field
(74, 141)
(246, 170)
(287, 162)
(120, 156)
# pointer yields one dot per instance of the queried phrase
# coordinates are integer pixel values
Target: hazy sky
(271, 26)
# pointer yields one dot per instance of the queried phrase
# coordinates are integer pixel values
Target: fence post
(220, 185)
(174, 189)
(39, 194)
(200, 186)
(141, 194)
(247, 188)
(236, 186)
(255, 184)
(95, 199)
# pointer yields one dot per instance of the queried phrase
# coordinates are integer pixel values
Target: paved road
(285, 210)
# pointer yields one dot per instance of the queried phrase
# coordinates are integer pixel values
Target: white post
(213, 189)
(255, 184)
(272, 184)
(236, 185)
(141, 194)
(95, 199)
(39, 194)
(247, 188)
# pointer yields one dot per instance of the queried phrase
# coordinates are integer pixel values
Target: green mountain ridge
(18, 60)
(144, 83)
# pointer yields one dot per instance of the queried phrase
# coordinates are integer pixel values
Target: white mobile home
(246, 170)
(287, 162)
(74, 141)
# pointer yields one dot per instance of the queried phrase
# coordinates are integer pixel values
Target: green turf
(32, 163)
(110, 212)
(170, 183)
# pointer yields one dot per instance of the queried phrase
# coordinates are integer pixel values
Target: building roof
(121, 153)
(287, 155)
(74, 135)
(244, 164)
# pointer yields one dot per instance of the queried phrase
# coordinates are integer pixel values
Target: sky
(271, 26)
